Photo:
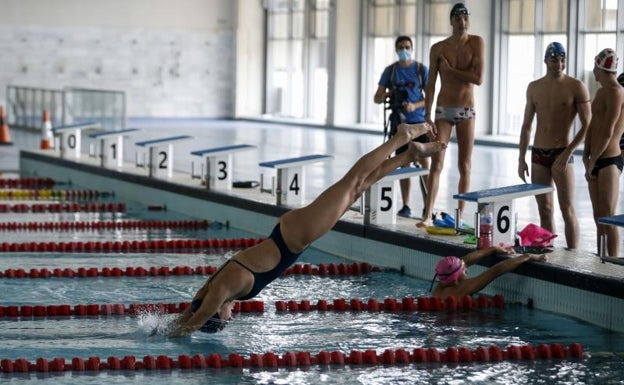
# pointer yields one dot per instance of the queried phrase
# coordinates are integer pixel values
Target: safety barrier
(171, 246)
(102, 225)
(130, 271)
(46, 194)
(27, 183)
(289, 359)
(110, 207)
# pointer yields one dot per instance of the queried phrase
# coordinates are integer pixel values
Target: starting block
(161, 154)
(290, 178)
(71, 138)
(500, 202)
(219, 165)
(380, 198)
(111, 146)
(617, 220)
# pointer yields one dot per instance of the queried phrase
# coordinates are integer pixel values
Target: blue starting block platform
(616, 220)
(161, 154)
(111, 146)
(380, 198)
(500, 202)
(219, 165)
(290, 178)
(71, 138)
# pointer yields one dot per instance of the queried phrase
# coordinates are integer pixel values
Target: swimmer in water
(452, 272)
(244, 275)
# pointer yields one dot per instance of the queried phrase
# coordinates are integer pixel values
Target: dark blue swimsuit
(261, 280)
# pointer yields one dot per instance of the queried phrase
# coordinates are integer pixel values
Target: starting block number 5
(381, 202)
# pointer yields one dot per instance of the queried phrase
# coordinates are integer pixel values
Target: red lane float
(103, 225)
(27, 183)
(455, 355)
(171, 246)
(130, 271)
(393, 305)
(84, 310)
(93, 207)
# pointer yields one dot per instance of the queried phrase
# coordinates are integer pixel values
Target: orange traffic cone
(5, 137)
(46, 132)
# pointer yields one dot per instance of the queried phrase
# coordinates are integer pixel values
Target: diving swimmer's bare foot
(425, 149)
(414, 130)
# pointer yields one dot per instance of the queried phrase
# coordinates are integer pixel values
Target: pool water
(270, 331)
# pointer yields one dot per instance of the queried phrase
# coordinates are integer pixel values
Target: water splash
(155, 323)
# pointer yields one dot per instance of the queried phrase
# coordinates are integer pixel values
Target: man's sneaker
(405, 212)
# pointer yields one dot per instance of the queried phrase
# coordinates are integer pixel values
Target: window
(297, 58)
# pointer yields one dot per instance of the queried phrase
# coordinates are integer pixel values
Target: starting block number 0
(504, 230)
(70, 145)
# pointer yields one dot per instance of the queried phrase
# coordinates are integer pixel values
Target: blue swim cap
(554, 49)
(213, 325)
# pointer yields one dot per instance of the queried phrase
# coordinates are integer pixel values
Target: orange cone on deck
(5, 137)
(46, 132)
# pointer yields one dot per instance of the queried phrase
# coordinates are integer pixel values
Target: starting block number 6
(504, 230)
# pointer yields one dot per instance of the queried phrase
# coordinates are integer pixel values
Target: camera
(397, 98)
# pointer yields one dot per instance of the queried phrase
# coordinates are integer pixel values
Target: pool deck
(576, 284)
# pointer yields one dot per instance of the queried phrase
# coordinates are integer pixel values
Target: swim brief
(601, 163)
(454, 114)
(546, 156)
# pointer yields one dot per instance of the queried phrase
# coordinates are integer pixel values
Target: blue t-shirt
(407, 78)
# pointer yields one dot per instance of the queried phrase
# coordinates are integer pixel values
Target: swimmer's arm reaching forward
(475, 256)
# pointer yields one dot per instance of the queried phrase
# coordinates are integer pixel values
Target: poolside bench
(380, 198)
(71, 138)
(111, 146)
(219, 165)
(161, 155)
(616, 220)
(291, 185)
(501, 204)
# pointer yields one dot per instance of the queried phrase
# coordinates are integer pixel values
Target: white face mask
(404, 55)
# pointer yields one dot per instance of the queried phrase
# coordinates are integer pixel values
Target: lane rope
(102, 225)
(91, 207)
(28, 183)
(289, 359)
(342, 269)
(47, 194)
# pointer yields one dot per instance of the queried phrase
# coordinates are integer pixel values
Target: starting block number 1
(112, 152)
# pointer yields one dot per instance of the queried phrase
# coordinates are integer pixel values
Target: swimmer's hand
(537, 257)
(181, 331)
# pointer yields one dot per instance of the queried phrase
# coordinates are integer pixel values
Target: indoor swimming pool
(142, 334)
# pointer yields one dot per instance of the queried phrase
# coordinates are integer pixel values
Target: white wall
(171, 58)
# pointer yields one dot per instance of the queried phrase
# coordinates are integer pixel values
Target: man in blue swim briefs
(555, 99)
(249, 271)
(458, 60)
(602, 155)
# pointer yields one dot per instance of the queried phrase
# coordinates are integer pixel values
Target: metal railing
(67, 106)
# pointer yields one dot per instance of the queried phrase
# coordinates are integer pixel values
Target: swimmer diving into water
(249, 271)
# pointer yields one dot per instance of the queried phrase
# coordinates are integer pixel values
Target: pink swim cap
(607, 60)
(448, 269)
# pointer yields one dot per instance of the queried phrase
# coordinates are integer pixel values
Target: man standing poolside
(556, 99)
(602, 156)
(403, 83)
(459, 61)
